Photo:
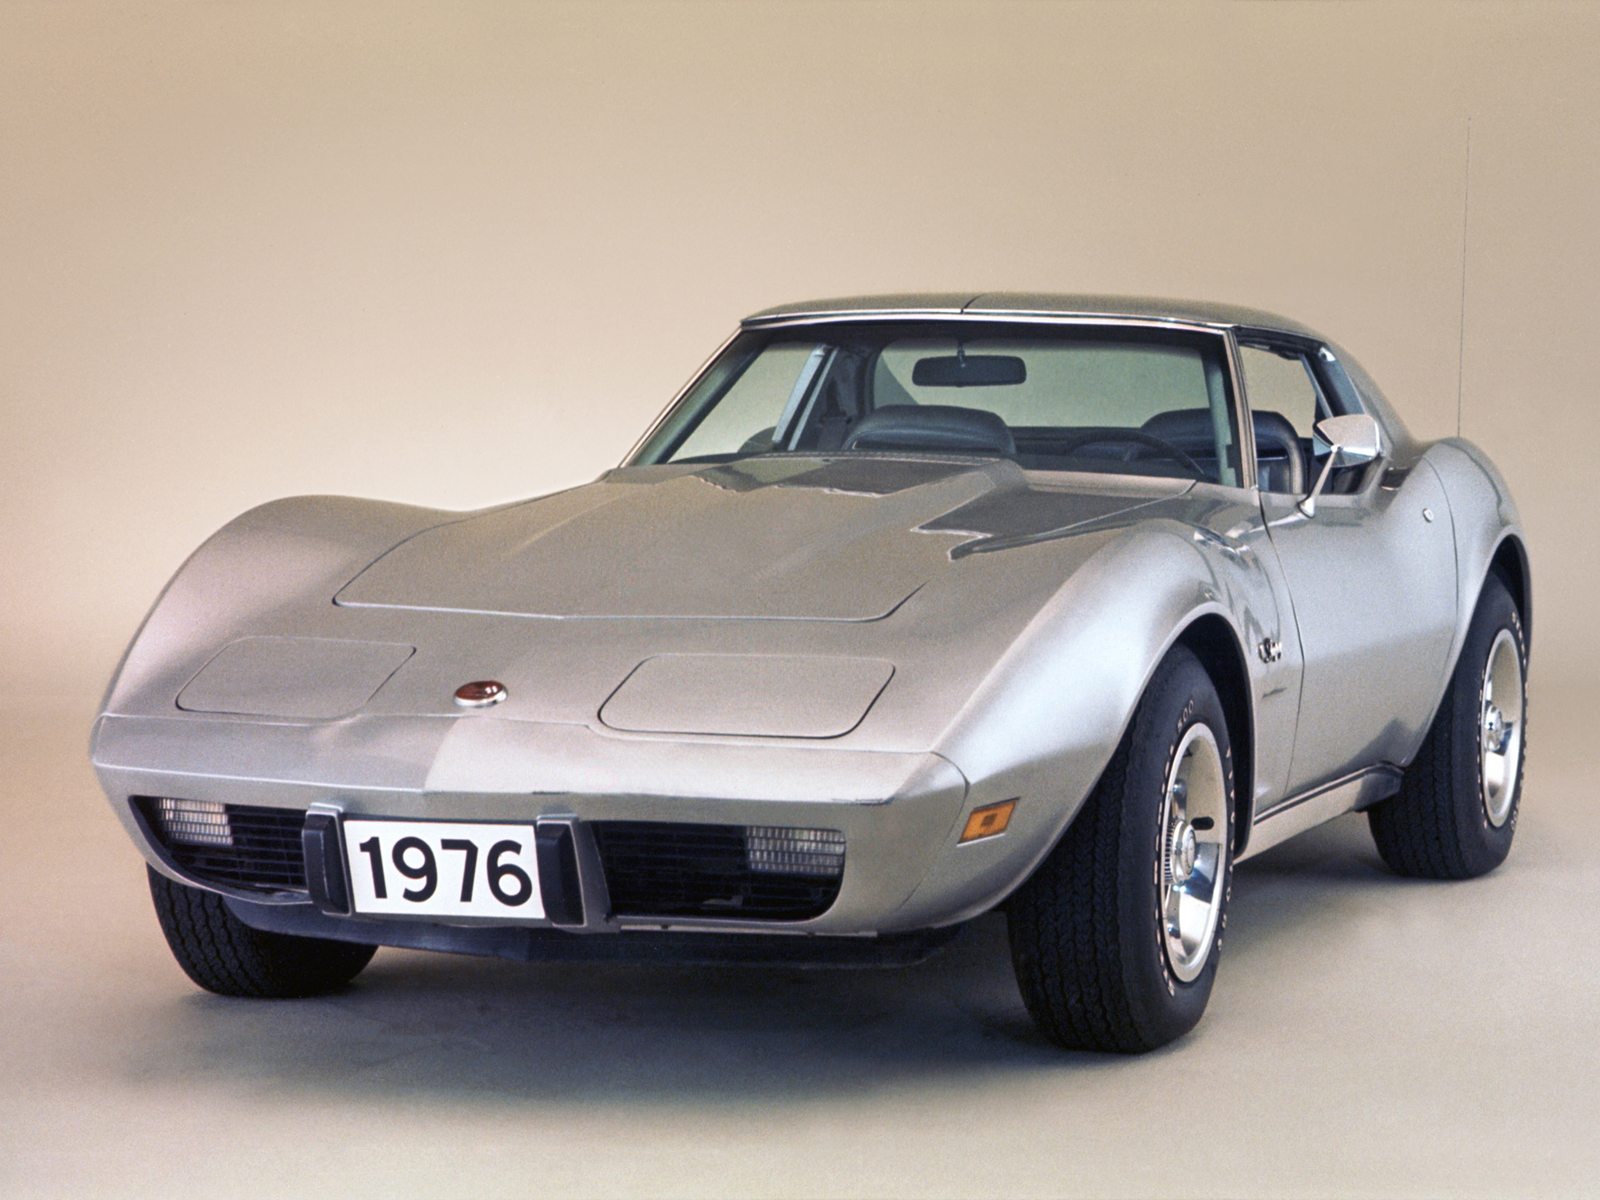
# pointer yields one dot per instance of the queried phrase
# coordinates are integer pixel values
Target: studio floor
(1368, 1036)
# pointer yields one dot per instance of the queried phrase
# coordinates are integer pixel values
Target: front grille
(229, 845)
(667, 869)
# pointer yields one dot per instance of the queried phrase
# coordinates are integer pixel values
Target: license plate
(443, 869)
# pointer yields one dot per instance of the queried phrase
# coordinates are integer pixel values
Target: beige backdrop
(455, 254)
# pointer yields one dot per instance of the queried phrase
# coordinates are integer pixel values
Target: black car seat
(941, 427)
(1281, 462)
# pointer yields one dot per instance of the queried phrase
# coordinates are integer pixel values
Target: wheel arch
(1213, 640)
(1510, 563)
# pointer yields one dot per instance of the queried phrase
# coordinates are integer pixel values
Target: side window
(1285, 405)
(1280, 381)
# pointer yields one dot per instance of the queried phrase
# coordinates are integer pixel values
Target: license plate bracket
(331, 873)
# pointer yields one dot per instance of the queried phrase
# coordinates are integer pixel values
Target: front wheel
(224, 955)
(1115, 938)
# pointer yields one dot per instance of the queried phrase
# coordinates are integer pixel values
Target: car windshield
(1064, 397)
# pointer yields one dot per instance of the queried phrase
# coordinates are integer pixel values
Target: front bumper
(900, 814)
(540, 943)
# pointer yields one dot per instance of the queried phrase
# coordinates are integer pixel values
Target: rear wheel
(1456, 811)
(224, 955)
(1116, 936)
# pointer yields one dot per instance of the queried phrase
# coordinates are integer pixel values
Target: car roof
(1018, 304)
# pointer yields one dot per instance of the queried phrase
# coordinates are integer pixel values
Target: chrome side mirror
(1348, 441)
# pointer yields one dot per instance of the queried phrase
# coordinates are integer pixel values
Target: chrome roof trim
(984, 316)
(923, 304)
(1013, 305)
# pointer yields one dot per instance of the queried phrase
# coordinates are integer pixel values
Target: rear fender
(1488, 529)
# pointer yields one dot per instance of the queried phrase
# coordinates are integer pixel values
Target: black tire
(1086, 929)
(1437, 826)
(224, 955)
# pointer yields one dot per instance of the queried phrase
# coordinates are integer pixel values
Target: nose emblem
(480, 693)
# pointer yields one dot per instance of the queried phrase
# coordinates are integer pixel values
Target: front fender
(250, 576)
(1046, 720)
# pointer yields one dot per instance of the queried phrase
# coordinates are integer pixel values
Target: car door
(1371, 576)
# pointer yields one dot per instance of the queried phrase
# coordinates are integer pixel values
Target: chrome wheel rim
(1194, 831)
(1500, 728)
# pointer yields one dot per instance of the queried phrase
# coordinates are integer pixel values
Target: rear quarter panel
(1484, 515)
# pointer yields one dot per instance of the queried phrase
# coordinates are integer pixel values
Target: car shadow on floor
(427, 1025)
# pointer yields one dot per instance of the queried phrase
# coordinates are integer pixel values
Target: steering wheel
(1163, 447)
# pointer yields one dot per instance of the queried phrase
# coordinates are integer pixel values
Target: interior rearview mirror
(970, 370)
(1347, 441)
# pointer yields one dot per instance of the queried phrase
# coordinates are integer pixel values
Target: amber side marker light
(989, 821)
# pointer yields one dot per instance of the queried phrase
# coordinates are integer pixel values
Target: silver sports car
(906, 609)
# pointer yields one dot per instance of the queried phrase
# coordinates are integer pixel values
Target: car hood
(771, 538)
